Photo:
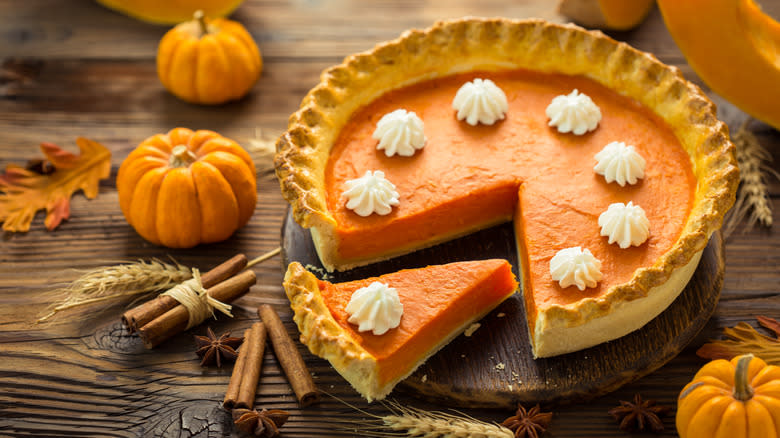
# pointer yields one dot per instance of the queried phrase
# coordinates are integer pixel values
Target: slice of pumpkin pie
(377, 331)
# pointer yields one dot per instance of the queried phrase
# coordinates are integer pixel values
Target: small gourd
(208, 61)
(184, 188)
(606, 14)
(731, 399)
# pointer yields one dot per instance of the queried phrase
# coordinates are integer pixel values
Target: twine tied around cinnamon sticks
(195, 298)
(165, 316)
(191, 302)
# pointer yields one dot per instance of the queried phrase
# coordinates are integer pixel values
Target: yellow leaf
(23, 192)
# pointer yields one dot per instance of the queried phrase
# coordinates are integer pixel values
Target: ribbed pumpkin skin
(733, 46)
(180, 204)
(709, 407)
(209, 68)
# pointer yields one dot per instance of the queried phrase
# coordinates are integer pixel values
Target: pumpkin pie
(470, 176)
(439, 303)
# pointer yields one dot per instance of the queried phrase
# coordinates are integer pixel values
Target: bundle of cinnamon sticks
(163, 317)
(246, 372)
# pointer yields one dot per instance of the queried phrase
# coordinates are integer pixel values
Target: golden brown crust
(503, 44)
(325, 337)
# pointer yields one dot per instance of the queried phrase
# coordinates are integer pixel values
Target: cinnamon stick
(246, 372)
(140, 315)
(175, 320)
(231, 395)
(289, 357)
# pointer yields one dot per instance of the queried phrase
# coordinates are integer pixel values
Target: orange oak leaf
(743, 339)
(24, 192)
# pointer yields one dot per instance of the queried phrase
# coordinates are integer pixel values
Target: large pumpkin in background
(733, 46)
(184, 188)
(170, 11)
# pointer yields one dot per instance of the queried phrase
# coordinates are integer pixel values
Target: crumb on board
(424, 378)
(471, 329)
(500, 366)
(501, 315)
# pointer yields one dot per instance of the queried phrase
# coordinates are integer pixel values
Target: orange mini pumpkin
(208, 61)
(184, 188)
(731, 399)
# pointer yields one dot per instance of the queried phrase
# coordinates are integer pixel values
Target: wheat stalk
(262, 149)
(752, 196)
(418, 423)
(120, 281)
(406, 421)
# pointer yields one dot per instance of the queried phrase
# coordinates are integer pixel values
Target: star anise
(637, 416)
(528, 424)
(265, 423)
(214, 349)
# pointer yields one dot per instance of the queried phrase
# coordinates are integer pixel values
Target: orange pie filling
(470, 177)
(437, 302)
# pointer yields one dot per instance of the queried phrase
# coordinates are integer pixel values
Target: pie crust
(498, 44)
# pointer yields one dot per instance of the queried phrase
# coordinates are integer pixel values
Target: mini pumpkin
(208, 61)
(184, 188)
(731, 399)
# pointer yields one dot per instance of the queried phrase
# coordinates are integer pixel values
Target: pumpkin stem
(742, 389)
(200, 17)
(181, 156)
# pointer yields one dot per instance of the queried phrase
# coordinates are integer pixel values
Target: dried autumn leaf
(744, 339)
(770, 324)
(24, 192)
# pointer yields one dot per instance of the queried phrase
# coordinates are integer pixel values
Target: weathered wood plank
(282, 29)
(75, 68)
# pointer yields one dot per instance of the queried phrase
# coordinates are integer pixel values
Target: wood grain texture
(71, 68)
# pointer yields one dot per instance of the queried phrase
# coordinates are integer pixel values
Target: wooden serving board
(494, 367)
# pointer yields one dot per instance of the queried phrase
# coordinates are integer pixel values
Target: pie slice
(519, 168)
(439, 302)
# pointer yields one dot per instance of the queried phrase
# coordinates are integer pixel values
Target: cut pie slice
(439, 302)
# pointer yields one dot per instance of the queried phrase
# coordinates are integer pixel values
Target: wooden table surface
(73, 68)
